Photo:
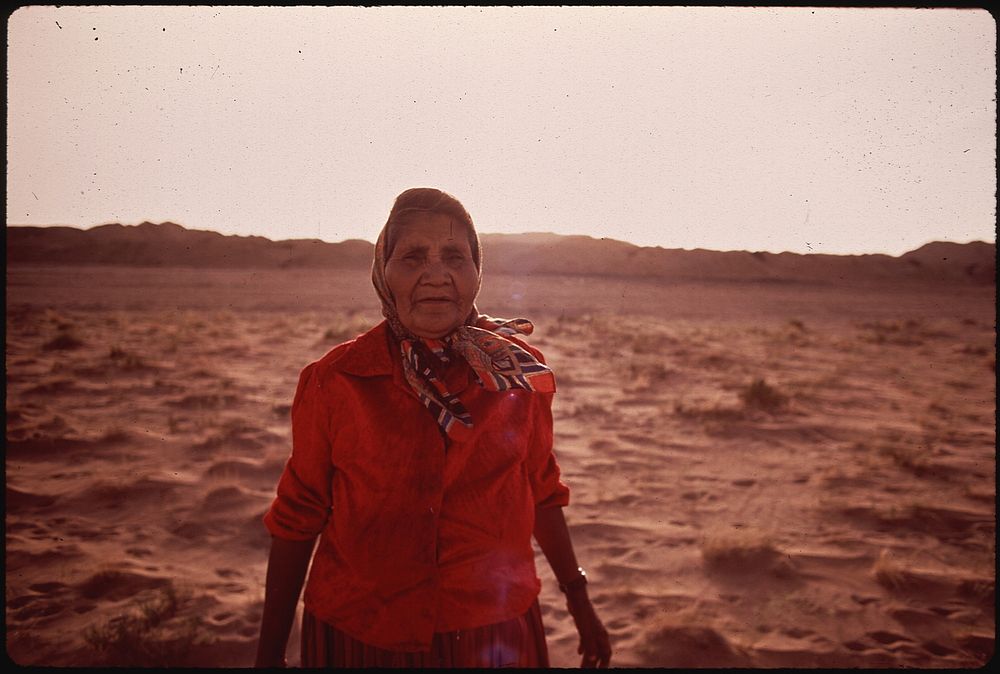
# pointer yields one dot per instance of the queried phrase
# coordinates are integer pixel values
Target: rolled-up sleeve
(543, 470)
(302, 505)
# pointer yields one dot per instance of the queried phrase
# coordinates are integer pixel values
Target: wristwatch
(575, 583)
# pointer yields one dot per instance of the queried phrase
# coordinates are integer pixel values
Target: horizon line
(506, 234)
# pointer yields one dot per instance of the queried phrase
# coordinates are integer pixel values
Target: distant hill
(171, 245)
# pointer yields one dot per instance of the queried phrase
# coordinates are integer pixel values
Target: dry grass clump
(64, 341)
(892, 332)
(651, 343)
(760, 395)
(796, 333)
(911, 455)
(907, 455)
(125, 360)
(150, 634)
(346, 327)
(691, 646)
(743, 552)
(714, 413)
(649, 374)
(893, 575)
(567, 327)
(910, 332)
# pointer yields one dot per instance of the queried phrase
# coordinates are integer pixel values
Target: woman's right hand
(595, 644)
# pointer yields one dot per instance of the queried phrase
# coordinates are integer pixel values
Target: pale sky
(854, 130)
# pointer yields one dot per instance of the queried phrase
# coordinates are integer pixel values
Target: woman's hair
(428, 200)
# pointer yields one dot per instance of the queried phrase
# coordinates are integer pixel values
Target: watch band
(575, 583)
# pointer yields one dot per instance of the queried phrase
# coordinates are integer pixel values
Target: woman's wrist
(573, 585)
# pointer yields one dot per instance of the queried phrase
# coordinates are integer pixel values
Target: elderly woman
(422, 461)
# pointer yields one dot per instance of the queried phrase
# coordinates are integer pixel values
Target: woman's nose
(435, 268)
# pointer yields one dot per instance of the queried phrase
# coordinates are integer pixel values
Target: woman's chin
(433, 327)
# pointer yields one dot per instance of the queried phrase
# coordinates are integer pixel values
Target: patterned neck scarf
(497, 362)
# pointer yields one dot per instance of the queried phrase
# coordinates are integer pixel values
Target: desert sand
(792, 475)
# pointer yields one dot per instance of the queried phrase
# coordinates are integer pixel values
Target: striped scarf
(497, 362)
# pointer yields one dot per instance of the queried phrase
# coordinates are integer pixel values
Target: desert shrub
(150, 634)
(691, 646)
(649, 373)
(650, 343)
(910, 332)
(906, 456)
(125, 360)
(64, 341)
(346, 327)
(713, 413)
(760, 395)
(892, 575)
(913, 456)
(743, 552)
(565, 326)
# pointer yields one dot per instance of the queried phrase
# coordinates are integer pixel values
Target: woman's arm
(286, 570)
(553, 538)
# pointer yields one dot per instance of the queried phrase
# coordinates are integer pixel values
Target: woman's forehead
(431, 229)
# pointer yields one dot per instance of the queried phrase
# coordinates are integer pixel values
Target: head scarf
(498, 363)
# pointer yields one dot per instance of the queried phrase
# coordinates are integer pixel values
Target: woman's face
(432, 276)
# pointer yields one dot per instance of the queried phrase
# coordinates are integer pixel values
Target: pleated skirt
(518, 642)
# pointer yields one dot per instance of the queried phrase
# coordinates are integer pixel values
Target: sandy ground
(763, 476)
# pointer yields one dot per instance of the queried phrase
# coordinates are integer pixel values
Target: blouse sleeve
(302, 505)
(543, 471)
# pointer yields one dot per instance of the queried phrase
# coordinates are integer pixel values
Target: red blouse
(417, 533)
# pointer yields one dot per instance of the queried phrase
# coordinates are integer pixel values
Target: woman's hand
(553, 538)
(595, 645)
(264, 663)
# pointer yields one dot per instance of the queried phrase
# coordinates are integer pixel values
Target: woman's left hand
(595, 645)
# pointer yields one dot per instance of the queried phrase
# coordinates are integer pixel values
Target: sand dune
(769, 475)
(171, 245)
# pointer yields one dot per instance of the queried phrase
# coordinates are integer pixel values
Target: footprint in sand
(935, 648)
(887, 638)
(47, 588)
